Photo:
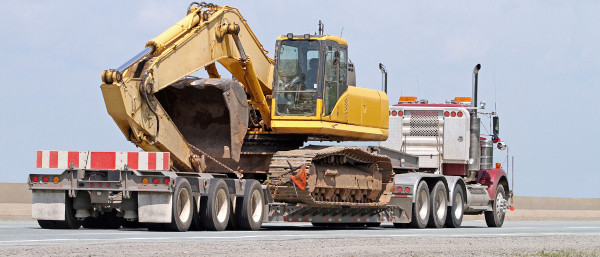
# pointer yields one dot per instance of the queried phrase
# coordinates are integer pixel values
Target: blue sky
(540, 64)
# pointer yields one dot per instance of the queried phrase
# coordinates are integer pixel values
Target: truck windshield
(296, 81)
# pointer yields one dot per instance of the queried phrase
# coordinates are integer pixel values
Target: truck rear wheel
(421, 206)
(181, 216)
(250, 208)
(215, 206)
(456, 211)
(495, 218)
(439, 206)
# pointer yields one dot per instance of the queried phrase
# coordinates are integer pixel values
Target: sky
(540, 71)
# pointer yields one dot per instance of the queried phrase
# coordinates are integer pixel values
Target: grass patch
(563, 253)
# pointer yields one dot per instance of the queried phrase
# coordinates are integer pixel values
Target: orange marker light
(498, 165)
(145, 181)
(55, 179)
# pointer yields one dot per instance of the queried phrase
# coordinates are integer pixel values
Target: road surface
(301, 239)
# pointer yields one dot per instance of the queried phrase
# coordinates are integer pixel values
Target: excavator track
(335, 176)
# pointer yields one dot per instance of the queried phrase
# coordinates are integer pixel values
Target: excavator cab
(311, 75)
(311, 95)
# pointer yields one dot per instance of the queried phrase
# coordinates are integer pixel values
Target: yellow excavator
(254, 125)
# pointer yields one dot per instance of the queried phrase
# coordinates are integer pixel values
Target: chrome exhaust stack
(474, 148)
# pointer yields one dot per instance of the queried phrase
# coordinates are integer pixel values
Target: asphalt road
(301, 239)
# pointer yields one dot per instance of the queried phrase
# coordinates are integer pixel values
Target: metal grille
(424, 123)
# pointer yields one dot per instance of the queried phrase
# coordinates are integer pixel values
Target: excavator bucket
(211, 114)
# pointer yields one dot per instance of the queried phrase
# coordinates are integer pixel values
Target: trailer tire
(154, 226)
(70, 222)
(439, 205)
(215, 206)
(456, 211)
(183, 207)
(47, 224)
(495, 218)
(196, 221)
(421, 206)
(250, 207)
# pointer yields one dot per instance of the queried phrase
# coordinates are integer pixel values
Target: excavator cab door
(335, 75)
(296, 78)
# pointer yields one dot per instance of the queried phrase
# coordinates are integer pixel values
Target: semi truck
(230, 153)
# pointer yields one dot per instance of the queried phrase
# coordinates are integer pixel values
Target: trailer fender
(452, 181)
(48, 204)
(154, 207)
(492, 178)
(412, 180)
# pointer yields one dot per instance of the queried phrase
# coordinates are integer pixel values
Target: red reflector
(399, 189)
(512, 208)
(35, 179)
(91, 184)
(306, 219)
(407, 190)
(403, 196)
(453, 114)
(460, 114)
(155, 181)
(394, 113)
(45, 179)
(400, 113)
(99, 184)
(166, 181)
(107, 184)
(447, 114)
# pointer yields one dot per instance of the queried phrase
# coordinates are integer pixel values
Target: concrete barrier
(15, 204)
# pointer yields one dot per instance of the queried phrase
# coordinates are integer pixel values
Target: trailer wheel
(181, 216)
(70, 221)
(495, 218)
(456, 211)
(196, 221)
(250, 208)
(421, 207)
(439, 206)
(47, 224)
(215, 206)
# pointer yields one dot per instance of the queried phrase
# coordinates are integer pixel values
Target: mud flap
(48, 204)
(154, 207)
(211, 114)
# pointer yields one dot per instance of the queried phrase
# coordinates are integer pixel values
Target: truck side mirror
(496, 124)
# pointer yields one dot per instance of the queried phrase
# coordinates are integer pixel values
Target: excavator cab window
(297, 78)
(336, 83)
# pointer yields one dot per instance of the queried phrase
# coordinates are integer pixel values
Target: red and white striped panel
(103, 160)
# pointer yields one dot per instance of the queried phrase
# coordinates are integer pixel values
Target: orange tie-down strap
(300, 178)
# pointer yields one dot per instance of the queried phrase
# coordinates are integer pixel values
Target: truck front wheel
(182, 207)
(495, 218)
(215, 206)
(421, 206)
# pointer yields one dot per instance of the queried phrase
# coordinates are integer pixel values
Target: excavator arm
(159, 108)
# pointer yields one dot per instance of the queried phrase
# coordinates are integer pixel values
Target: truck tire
(70, 221)
(183, 207)
(456, 211)
(439, 206)
(250, 208)
(215, 207)
(495, 218)
(421, 207)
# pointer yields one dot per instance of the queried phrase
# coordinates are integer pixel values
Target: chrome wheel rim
(441, 205)
(458, 203)
(256, 206)
(185, 205)
(222, 206)
(424, 208)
